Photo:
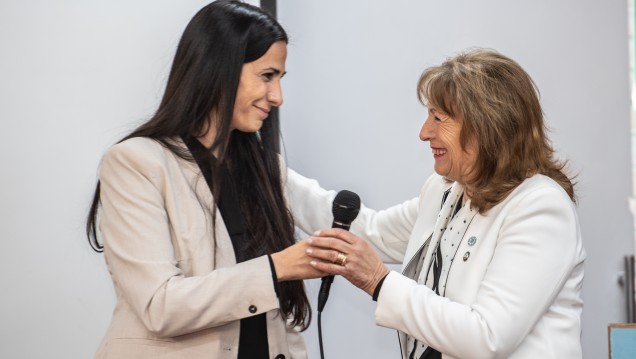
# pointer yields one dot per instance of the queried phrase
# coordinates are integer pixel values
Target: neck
(466, 195)
(209, 136)
(207, 139)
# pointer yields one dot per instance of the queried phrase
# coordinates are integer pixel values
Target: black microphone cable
(345, 209)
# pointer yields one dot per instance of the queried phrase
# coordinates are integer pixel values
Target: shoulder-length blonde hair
(498, 105)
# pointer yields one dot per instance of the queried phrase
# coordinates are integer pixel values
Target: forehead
(437, 95)
(275, 56)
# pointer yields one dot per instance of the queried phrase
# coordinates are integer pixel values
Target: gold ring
(341, 259)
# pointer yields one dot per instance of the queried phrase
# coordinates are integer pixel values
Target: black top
(253, 333)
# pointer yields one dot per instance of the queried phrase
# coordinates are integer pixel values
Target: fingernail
(312, 263)
(309, 240)
(309, 250)
(316, 233)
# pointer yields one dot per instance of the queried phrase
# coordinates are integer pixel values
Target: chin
(251, 127)
(257, 128)
(446, 174)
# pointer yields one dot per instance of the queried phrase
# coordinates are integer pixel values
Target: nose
(275, 95)
(426, 132)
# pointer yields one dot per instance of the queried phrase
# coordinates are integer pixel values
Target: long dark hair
(204, 79)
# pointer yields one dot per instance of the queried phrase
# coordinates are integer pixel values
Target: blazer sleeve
(537, 250)
(138, 245)
(387, 230)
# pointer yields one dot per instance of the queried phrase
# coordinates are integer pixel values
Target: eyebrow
(441, 115)
(275, 70)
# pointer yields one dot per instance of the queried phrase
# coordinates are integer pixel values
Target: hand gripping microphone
(345, 209)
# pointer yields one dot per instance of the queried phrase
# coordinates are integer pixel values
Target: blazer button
(280, 356)
(252, 309)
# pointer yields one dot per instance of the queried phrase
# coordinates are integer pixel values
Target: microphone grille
(346, 206)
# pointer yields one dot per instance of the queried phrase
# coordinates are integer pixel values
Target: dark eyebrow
(275, 71)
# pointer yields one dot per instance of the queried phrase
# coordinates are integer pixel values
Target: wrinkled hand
(292, 263)
(362, 267)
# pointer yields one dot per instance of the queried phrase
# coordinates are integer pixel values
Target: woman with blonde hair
(491, 249)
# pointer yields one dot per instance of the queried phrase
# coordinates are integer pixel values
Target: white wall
(76, 76)
(79, 74)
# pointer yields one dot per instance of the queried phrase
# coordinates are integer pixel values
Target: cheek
(244, 101)
(238, 101)
(450, 138)
(248, 91)
(239, 109)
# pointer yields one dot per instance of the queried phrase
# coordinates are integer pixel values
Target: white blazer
(517, 295)
(180, 292)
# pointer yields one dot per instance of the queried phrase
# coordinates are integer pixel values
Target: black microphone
(345, 209)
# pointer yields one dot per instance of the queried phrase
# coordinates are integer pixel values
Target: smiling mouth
(438, 152)
(265, 111)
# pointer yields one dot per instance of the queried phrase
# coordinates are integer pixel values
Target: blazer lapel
(224, 251)
(445, 214)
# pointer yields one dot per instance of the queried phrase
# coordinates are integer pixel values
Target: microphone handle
(323, 294)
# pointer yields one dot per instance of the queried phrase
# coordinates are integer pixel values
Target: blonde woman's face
(442, 132)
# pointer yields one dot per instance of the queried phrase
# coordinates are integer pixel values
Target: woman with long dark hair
(191, 211)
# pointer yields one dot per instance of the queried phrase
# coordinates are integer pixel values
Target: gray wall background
(79, 74)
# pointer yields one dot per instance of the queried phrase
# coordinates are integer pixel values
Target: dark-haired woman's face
(259, 89)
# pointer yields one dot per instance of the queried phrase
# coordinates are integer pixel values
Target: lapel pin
(466, 256)
(472, 240)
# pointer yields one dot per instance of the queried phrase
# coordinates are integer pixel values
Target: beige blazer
(180, 292)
